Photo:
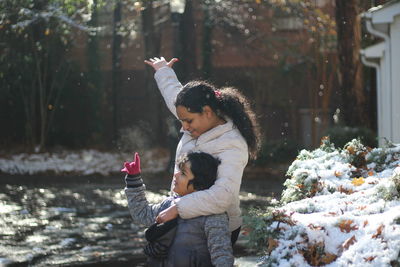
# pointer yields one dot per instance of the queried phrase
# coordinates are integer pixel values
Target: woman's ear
(191, 188)
(207, 110)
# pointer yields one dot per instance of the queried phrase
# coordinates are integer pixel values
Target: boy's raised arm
(141, 211)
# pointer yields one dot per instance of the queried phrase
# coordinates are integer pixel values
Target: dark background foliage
(72, 72)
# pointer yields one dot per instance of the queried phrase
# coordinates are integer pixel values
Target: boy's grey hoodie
(201, 241)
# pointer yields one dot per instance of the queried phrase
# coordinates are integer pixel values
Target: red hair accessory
(217, 94)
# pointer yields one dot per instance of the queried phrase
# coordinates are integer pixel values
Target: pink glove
(133, 167)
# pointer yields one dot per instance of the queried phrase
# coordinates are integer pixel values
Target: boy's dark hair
(204, 168)
(226, 101)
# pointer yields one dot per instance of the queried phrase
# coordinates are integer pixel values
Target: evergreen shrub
(341, 135)
(277, 151)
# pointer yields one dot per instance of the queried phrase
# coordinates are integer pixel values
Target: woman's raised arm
(157, 63)
(166, 79)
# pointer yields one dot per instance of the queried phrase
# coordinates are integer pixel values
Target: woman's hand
(158, 63)
(167, 214)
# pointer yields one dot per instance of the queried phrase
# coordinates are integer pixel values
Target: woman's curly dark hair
(226, 101)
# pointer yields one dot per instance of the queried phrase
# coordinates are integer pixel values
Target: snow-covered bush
(324, 170)
(341, 207)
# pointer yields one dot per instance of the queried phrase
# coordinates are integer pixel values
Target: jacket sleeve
(141, 211)
(218, 198)
(169, 86)
(219, 240)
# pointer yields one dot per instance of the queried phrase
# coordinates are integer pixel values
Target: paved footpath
(249, 261)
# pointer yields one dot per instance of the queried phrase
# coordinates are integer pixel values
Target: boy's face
(181, 180)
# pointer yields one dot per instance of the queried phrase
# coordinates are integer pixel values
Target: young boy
(201, 241)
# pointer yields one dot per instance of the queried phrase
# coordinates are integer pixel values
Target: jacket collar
(210, 134)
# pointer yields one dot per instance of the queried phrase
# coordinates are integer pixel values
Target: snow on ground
(85, 162)
(340, 208)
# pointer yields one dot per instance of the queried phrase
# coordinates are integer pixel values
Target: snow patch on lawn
(85, 162)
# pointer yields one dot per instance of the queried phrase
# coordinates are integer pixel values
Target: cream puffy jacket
(224, 142)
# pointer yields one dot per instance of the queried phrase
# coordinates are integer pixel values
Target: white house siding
(386, 109)
(385, 24)
(395, 45)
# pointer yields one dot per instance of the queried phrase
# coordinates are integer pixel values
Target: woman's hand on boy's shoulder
(158, 63)
(167, 214)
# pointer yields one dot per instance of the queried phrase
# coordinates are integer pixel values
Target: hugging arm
(219, 197)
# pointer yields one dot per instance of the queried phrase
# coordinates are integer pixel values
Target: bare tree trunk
(38, 111)
(42, 83)
(350, 67)
(188, 40)
(116, 66)
(29, 104)
(207, 41)
(152, 46)
(95, 80)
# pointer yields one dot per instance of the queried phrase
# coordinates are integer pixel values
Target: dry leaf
(358, 181)
(328, 258)
(246, 231)
(331, 213)
(341, 189)
(351, 150)
(272, 244)
(316, 227)
(371, 173)
(378, 231)
(338, 173)
(350, 241)
(346, 226)
(370, 258)
(315, 188)
(362, 207)
(365, 223)
(315, 255)
(280, 216)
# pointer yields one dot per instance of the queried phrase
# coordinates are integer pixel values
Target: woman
(215, 121)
